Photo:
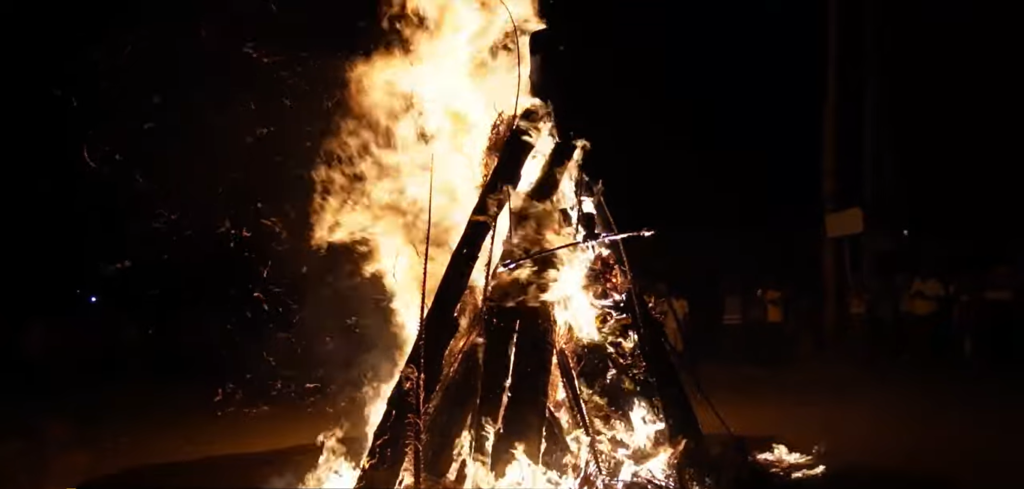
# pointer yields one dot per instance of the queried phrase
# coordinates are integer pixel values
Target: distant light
(92, 299)
(905, 232)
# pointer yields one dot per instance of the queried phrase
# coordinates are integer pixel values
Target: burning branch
(420, 415)
(510, 264)
(519, 63)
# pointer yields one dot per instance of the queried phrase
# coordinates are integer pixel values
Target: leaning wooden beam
(383, 462)
(567, 372)
(456, 401)
(499, 337)
(551, 175)
(526, 408)
(440, 321)
(556, 445)
(572, 390)
(679, 413)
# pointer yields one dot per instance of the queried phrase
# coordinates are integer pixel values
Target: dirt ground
(158, 429)
(932, 427)
(939, 428)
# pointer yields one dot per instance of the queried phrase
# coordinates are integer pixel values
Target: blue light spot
(92, 299)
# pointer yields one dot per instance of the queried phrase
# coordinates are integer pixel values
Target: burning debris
(532, 367)
(795, 465)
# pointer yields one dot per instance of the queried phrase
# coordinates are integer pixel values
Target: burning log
(383, 461)
(450, 413)
(572, 390)
(679, 415)
(499, 339)
(551, 175)
(440, 321)
(548, 295)
(523, 418)
(526, 408)
(556, 446)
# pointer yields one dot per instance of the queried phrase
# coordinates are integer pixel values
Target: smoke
(350, 316)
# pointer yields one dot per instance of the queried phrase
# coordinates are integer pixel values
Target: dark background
(161, 157)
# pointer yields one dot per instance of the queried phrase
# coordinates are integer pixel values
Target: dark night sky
(198, 116)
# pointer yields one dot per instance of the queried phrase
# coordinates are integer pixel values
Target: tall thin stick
(519, 64)
(420, 422)
(487, 272)
(512, 123)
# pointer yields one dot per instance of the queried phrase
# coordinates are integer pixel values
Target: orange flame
(435, 99)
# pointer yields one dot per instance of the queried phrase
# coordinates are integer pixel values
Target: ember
(530, 363)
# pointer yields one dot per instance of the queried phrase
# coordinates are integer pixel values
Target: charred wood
(556, 446)
(572, 390)
(440, 321)
(567, 373)
(526, 408)
(525, 414)
(679, 415)
(501, 328)
(386, 454)
(450, 414)
(499, 335)
(462, 474)
(551, 175)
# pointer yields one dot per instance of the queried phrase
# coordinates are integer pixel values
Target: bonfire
(532, 366)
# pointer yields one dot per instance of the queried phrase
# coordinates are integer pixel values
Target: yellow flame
(433, 101)
(781, 460)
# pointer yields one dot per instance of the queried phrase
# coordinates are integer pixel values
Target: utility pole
(828, 179)
(870, 161)
(869, 101)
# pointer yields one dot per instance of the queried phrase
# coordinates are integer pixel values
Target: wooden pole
(532, 326)
(828, 179)
(455, 405)
(556, 445)
(526, 408)
(868, 239)
(500, 331)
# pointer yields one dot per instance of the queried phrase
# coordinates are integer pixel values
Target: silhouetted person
(775, 324)
(964, 301)
(857, 331)
(925, 315)
(997, 330)
(732, 323)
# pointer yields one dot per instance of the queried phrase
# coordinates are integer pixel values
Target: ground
(932, 427)
(949, 428)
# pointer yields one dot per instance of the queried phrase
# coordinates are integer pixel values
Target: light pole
(828, 178)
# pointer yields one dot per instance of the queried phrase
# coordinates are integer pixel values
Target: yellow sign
(844, 223)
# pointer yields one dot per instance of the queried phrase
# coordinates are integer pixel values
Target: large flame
(430, 105)
(430, 102)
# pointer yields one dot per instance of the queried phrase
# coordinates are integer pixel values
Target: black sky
(195, 115)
